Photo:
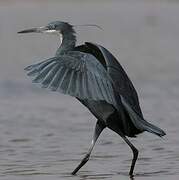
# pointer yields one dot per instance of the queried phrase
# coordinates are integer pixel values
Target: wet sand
(44, 135)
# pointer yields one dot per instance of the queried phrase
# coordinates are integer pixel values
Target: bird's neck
(68, 41)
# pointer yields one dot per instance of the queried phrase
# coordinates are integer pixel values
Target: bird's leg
(135, 155)
(134, 149)
(98, 129)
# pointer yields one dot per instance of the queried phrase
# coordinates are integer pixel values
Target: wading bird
(92, 74)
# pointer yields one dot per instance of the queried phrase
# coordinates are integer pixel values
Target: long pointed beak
(34, 30)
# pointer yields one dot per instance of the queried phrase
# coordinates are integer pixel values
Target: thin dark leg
(135, 155)
(98, 129)
(134, 150)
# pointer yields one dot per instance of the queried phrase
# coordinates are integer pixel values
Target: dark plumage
(92, 74)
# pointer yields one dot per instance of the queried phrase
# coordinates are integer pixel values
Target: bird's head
(56, 27)
(63, 29)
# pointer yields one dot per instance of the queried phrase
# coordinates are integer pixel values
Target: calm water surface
(44, 135)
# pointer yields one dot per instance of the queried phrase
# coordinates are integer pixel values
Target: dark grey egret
(92, 74)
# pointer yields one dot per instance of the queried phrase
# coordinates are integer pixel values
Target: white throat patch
(61, 38)
(51, 31)
(56, 33)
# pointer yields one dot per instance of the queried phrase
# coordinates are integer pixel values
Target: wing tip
(28, 68)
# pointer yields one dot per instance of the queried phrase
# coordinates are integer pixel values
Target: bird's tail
(141, 123)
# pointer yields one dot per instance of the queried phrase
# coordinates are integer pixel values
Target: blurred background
(43, 135)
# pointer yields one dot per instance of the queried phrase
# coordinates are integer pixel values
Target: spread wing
(76, 74)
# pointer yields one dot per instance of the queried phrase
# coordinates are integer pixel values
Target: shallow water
(44, 135)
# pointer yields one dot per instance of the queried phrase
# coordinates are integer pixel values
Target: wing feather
(62, 80)
(121, 82)
(105, 90)
(55, 82)
(84, 80)
(50, 76)
(70, 84)
(90, 91)
(42, 74)
(77, 74)
(77, 85)
(36, 68)
(98, 88)
(81, 88)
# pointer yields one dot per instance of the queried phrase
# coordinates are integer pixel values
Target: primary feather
(75, 73)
